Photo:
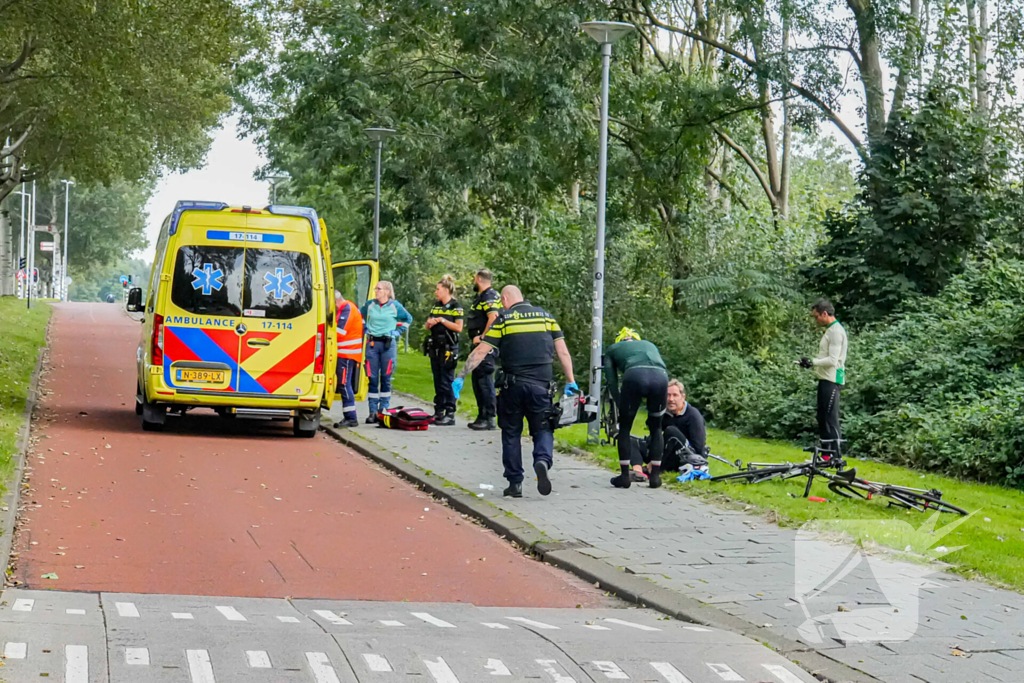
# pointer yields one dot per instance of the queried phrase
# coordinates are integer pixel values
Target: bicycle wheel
(922, 502)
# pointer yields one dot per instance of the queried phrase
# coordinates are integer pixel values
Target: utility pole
(605, 33)
(63, 292)
(31, 248)
(378, 135)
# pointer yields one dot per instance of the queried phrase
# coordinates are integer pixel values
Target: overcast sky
(226, 177)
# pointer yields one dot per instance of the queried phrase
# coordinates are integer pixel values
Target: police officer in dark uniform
(527, 339)
(442, 346)
(481, 315)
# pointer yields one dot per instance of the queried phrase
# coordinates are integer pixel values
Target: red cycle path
(218, 507)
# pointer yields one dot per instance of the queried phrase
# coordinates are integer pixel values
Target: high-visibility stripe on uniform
(350, 332)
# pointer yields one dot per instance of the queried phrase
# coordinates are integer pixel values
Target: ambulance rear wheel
(305, 425)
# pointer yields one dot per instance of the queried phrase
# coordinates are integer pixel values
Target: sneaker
(372, 419)
(639, 477)
(513, 491)
(483, 424)
(445, 420)
(543, 483)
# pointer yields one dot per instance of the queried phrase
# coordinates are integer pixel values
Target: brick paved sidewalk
(964, 631)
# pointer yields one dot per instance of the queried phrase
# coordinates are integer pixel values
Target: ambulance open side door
(356, 281)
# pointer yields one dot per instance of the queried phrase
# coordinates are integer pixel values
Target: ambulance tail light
(157, 345)
(321, 349)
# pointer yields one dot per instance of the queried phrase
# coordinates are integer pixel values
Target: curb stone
(13, 495)
(627, 587)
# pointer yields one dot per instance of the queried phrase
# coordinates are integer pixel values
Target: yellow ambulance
(239, 315)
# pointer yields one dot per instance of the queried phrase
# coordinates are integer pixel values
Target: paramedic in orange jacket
(350, 356)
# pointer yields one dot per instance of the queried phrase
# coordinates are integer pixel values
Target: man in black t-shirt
(527, 339)
(481, 315)
(684, 431)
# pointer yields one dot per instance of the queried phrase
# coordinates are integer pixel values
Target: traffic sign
(46, 246)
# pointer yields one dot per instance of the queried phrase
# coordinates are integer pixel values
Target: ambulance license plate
(200, 376)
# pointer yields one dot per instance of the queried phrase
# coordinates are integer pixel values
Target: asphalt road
(234, 508)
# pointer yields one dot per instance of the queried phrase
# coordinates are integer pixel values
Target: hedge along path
(993, 539)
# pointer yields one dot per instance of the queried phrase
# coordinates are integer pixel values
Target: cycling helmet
(627, 333)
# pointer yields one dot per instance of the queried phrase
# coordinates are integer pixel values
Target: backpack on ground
(406, 419)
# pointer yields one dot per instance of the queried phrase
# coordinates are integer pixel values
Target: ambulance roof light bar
(191, 205)
(301, 211)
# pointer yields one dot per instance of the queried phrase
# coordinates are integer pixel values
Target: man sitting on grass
(685, 436)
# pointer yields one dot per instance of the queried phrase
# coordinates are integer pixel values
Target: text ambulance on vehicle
(239, 315)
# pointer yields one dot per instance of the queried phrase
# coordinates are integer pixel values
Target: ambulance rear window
(278, 283)
(208, 280)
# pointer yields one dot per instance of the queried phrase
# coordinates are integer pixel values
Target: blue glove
(457, 386)
(571, 389)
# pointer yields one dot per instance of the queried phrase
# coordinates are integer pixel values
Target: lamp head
(606, 31)
(378, 134)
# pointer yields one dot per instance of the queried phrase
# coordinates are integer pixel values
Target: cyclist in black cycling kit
(643, 377)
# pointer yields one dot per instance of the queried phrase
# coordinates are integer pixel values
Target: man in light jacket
(830, 368)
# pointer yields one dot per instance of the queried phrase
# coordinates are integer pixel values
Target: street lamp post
(274, 180)
(378, 135)
(63, 282)
(31, 247)
(605, 33)
(21, 245)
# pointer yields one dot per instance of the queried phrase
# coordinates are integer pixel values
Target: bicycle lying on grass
(828, 464)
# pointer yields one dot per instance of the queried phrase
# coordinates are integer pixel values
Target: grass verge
(992, 539)
(24, 333)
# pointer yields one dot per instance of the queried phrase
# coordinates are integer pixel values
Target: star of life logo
(278, 283)
(851, 596)
(207, 279)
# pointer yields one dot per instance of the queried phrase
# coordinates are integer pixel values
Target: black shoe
(347, 423)
(654, 478)
(513, 491)
(372, 419)
(543, 483)
(621, 482)
(483, 424)
(445, 420)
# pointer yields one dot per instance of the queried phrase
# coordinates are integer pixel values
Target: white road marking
(725, 672)
(127, 609)
(549, 668)
(288, 620)
(136, 656)
(323, 672)
(332, 617)
(611, 670)
(76, 664)
(15, 650)
(671, 674)
(182, 615)
(531, 622)
(642, 627)
(257, 659)
(74, 611)
(377, 662)
(699, 629)
(391, 622)
(493, 625)
(596, 627)
(23, 605)
(782, 673)
(430, 619)
(497, 668)
(440, 670)
(230, 613)
(199, 667)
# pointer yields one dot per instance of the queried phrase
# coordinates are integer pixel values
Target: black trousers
(483, 388)
(828, 410)
(518, 401)
(639, 384)
(444, 375)
(676, 452)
